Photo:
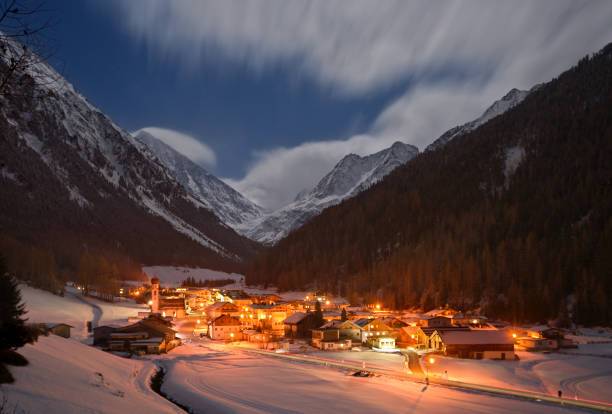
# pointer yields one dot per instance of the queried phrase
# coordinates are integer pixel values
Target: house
(238, 298)
(434, 321)
(328, 339)
(383, 343)
(372, 327)
(225, 328)
(470, 320)
(172, 307)
(59, 329)
(221, 308)
(446, 312)
(267, 299)
(267, 317)
(394, 322)
(346, 329)
(529, 343)
(152, 335)
(299, 325)
(475, 344)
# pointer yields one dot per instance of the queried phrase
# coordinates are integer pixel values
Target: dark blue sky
(229, 107)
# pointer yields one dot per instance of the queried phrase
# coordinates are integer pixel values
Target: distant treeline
(192, 282)
(45, 269)
(460, 226)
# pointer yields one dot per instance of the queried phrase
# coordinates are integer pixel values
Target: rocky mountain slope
(510, 100)
(349, 177)
(229, 205)
(72, 180)
(511, 219)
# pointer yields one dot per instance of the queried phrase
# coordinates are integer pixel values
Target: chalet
(225, 328)
(383, 343)
(59, 329)
(481, 344)
(267, 317)
(172, 307)
(529, 343)
(372, 327)
(328, 339)
(221, 308)
(238, 298)
(434, 321)
(446, 312)
(268, 299)
(346, 329)
(394, 322)
(470, 320)
(153, 335)
(299, 325)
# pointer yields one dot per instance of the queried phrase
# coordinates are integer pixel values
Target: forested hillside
(513, 217)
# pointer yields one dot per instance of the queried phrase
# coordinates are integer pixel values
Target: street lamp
(430, 361)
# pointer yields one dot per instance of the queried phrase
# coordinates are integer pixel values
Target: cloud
(366, 45)
(456, 56)
(187, 145)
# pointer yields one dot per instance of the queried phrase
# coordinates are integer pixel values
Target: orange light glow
(150, 302)
(514, 335)
(432, 360)
(377, 306)
(327, 302)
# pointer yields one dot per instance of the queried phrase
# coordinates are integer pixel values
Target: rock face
(72, 180)
(349, 177)
(510, 100)
(229, 205)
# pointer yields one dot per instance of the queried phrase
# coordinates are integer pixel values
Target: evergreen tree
(343, 316)
(318, 320)
(13, 332)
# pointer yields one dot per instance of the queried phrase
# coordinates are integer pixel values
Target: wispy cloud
(187, 145)
(359, 47)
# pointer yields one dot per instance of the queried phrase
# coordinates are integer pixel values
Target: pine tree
(318, 320)
(13, 332)
(343, 316)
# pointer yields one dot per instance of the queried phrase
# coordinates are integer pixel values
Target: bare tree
(23, 42)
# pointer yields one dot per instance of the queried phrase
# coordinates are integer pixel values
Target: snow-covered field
(172, 276)
(75, 310)
(214, 378)
(581, 376)
(66, 376)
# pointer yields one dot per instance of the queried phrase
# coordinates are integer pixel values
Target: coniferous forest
(512, 219)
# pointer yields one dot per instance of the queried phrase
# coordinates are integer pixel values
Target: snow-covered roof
(295, 318)
(218, 305)
(476, 337)
(54, 325)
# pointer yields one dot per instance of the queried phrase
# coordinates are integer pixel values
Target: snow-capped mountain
(70, 175)
(510, 100)
(349, 177)
(229, 205)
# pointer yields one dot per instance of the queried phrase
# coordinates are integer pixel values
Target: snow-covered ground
(66, 376)
(172, 276)
(579, 376)
(75, 310)
(216, 378)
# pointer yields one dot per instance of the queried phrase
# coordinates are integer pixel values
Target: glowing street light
(377, 307)
(150, 303)
(431, 361)
(514, 335)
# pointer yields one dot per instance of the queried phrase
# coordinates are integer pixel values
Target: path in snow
(96, 310)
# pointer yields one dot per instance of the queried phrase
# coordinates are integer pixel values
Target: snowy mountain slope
(349, 177)
(75, 172)
(229, 205)
(510, 100)
(66, 376)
